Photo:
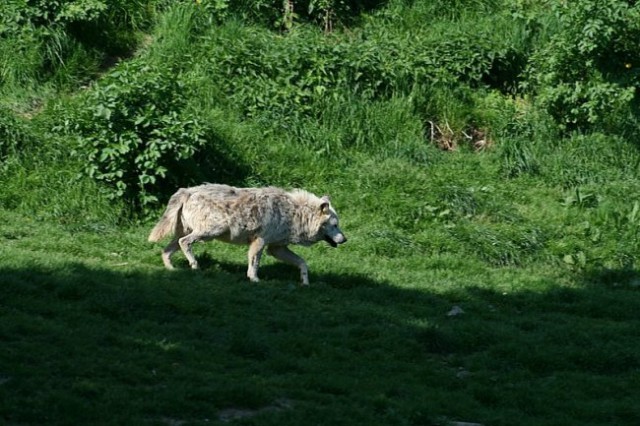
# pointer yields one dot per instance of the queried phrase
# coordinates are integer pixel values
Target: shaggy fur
(260, 217)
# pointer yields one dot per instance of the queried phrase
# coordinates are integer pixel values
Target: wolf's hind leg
(285, 255)
(255, 253)
(187, 241)
(168, 252)
(185, 244)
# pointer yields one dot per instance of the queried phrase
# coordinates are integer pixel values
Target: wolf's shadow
(278, 271)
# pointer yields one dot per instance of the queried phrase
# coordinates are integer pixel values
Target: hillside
(483, 156)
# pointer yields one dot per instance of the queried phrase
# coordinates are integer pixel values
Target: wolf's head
(330, 228)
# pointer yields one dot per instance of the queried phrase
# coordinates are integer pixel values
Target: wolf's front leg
(255, 253)
(285, 255)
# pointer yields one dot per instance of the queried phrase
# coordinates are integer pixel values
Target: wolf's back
(170, 221)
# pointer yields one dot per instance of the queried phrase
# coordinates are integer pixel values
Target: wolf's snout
(340, 239)
(335, 239)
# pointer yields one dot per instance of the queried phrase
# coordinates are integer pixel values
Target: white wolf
(261, 217)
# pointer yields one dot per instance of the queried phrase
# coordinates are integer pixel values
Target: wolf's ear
(324, 204)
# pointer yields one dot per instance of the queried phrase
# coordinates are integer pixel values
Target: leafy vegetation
(586, 71)
(483, 155)
(132, 130)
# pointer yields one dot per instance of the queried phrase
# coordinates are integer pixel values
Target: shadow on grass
(96, 346)
(279, 271)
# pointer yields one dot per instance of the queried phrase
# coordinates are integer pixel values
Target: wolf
(270, 218)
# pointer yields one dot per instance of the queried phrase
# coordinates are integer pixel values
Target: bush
(133, 130)
(585, 75)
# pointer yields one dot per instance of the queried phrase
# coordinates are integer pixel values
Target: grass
(94, 331)
(494, 287)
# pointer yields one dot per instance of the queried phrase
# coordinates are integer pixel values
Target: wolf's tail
(170, 221)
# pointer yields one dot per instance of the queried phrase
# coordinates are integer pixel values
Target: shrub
(133, 129)
(586, 73)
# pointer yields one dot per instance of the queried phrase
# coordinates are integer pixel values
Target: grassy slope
(94, 331)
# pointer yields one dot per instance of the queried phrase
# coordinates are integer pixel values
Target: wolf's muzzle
(340, 239)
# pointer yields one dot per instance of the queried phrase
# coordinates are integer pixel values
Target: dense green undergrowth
(482, 155)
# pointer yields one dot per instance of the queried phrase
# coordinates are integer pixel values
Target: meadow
(491, 205)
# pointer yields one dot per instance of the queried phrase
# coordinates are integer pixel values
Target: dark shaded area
(506, 72)
(87, 345)
(113, 40)
(215, 162)
(613, 278)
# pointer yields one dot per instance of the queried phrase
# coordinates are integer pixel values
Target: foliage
(586, 73)
(65, 41)
(213, 11)
(43, 13)
(288, 14)
(286, 78)
(132, 128)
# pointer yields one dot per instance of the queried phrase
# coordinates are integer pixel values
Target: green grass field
(491, 272)
(95, 331)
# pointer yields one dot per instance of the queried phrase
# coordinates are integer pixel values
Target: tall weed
(383, 128)
(15, 137)
(284, 78)
(174, 36)
(39, 178)
(20, 58)
(51, 191)
(65, 43)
